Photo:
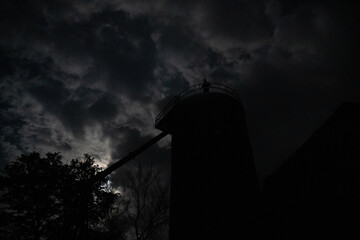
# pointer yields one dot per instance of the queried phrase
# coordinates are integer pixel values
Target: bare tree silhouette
(143, 205)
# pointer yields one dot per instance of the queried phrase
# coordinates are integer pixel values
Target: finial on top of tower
(206, 86)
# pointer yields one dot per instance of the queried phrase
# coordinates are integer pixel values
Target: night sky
(90, 76)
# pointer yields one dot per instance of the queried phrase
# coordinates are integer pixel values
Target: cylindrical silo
(213, 180)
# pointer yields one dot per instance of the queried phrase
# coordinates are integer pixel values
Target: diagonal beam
(128, 157)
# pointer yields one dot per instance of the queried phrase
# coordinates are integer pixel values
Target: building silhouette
(214, 184)
(215, 194)
(315, 194)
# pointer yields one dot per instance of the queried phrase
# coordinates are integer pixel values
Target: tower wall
(214, 185)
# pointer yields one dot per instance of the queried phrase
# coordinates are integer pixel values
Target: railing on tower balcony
(192, 90)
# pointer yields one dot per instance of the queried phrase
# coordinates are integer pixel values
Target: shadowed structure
(316, 192)
(214, 185)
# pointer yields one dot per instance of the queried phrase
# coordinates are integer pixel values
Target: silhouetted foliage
(44, 198)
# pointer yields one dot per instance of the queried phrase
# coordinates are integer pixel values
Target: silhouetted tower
(214, 185)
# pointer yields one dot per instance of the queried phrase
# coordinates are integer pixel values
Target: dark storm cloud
(124, 53)
(245, 21)
(105, 108)
(126, 140)
(44, 136)
(309, 69)
(75, 61)
(10, 124)
(92, 75)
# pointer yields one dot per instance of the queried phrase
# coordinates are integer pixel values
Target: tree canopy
(41, 197)
(45, 198)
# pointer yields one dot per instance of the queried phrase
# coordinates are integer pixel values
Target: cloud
(90, 76)
(125, 140)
